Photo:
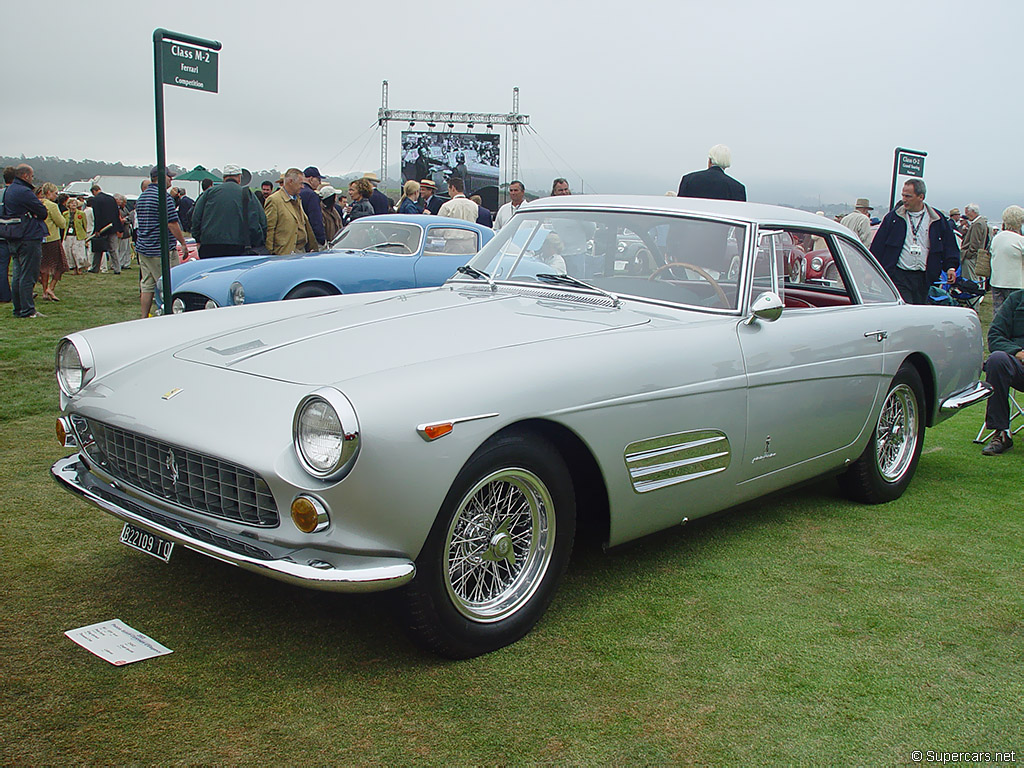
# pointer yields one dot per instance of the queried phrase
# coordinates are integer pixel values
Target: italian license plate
(144, 541)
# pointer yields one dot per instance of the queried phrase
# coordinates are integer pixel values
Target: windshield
(387, 236)
(665, 258)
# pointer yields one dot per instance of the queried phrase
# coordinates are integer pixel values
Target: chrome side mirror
(768, 307)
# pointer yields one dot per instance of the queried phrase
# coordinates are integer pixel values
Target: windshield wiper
(473, 272)
(570, 280)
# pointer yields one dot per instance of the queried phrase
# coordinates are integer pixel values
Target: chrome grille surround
(658, 462)
(192, 301)
(188, 479)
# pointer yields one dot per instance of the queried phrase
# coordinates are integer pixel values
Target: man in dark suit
(105, 229)
(713, 184)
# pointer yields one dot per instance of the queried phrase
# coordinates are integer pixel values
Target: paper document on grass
(116, 642)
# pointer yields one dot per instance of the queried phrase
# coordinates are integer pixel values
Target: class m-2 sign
(188, 67)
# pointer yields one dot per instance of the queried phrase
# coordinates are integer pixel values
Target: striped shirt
(147, 210)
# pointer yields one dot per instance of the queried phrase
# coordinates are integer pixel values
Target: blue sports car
(374, 253)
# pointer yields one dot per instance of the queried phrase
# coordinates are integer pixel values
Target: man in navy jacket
(914, 244)
(21, 202)
(714, 183)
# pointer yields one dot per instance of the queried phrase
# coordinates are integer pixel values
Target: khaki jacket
(288, 229)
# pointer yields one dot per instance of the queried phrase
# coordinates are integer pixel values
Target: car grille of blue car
(186, 478)
(192, 301)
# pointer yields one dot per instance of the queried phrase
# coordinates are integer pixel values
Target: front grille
(191, 480)
(193, 301)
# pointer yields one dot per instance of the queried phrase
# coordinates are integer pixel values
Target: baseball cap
(312, 172)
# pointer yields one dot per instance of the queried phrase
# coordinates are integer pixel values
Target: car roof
(421, 219)
(753, 212)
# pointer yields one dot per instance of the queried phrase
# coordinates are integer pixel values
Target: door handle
(879, 335)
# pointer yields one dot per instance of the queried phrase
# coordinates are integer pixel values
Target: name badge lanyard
(915, 228)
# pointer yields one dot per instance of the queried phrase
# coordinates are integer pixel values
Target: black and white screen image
(474, 157)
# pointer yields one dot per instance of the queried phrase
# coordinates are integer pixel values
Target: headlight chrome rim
(85, 367)
(341, 464)
(237, 293)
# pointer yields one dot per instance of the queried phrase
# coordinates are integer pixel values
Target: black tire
(885, 469)
(307, 292)
(483, 580)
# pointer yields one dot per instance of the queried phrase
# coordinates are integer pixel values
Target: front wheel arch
(311, 289)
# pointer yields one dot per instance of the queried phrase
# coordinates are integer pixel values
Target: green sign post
(177, 62)
(905, 162)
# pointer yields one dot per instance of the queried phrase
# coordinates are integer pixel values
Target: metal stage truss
(449, 120)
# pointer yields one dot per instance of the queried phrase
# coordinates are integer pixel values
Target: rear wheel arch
(927, 373)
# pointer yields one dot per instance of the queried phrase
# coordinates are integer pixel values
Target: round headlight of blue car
(237, 293)
(74, 366)
(326, 434)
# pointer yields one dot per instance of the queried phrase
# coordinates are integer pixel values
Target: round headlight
(177, 306)
(237, 293)
(210, 304)
(326, 434)
(817, 263)
(72, 372)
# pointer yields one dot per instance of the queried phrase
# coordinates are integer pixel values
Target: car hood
(336, 340)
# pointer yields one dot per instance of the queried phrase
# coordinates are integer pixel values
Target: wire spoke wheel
(499, 545)
(896, 434)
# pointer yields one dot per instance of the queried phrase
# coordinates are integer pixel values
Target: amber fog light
(309, 515)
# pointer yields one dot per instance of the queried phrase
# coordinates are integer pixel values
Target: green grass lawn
(799, 629)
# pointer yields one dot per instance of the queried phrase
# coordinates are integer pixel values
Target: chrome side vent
(658, 462)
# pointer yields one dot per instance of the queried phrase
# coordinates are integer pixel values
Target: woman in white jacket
(1007, 257)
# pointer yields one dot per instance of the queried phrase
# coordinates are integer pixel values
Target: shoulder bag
(983, 267)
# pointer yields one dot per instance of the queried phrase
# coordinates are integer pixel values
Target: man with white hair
(976, 239)
(713, 183)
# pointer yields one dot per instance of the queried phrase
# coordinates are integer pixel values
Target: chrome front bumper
(975, 393)
(306, 568)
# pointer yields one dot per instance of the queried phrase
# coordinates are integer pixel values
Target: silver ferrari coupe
(628, 363)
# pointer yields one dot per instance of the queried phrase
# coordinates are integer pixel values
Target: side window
(866, 275)
(444, 241)
(810, 262)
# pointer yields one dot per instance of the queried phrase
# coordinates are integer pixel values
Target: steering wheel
(700, 271)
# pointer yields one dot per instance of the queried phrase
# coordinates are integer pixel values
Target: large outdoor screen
(439, 156)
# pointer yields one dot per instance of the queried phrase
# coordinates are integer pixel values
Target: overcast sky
(812, 97)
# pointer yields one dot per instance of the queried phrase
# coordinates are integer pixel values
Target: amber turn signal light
(434, 431)
(309, 515)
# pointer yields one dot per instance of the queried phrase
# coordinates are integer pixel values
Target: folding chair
(1015, 411)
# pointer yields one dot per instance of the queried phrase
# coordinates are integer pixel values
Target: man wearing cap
(431, 202)
(378, 200)
(516, 193)
(105, 228)
(329, 210)
(311, 204)
(957, 221)
(147, 210)
(229, 219)
(859, 222)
